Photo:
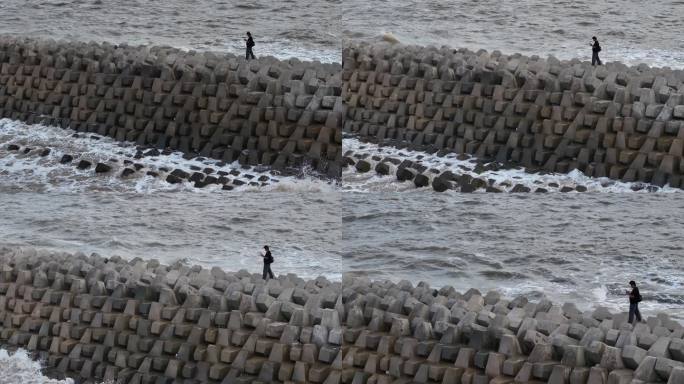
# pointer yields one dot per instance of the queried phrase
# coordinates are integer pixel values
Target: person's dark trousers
(634, 311)
(249, 53)
(595, 59)
(267, 271)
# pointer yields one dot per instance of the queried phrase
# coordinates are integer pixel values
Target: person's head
(266, 247)
(632, 284)
(250, 35)
(593, 38)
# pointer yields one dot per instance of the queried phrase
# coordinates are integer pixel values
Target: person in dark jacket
(595, 49)
(249, 42)
(634, 299)
(268, 260)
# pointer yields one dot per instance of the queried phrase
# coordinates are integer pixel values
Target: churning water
(581, 248)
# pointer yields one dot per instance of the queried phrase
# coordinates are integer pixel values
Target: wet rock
(541, 190)
(195, 168)
(479, 183)
(83, 164)
(12, 147)
(126, 172)
(66, 159)
(152, 152)
(197, 176)
(382, 169)
(227, 187)
(421, 181)
(211, 180)
(566, 189)
(581, 188)
(518, 188)
(248, 176)
(208, 171)
(179, 173)
(263, 178)
(102, 168)
(493, 189)
(405, 174)
(363, 166)
(238, 183)
(234, 172)
(138, 166)
(173, 179)
(200, 184)
(152, 173)
(45, 152)
(27, 150)
(554, 185)
(441, 184)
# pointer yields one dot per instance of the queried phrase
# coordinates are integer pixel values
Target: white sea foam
(19, 368)
(504, 179)
(32, 172)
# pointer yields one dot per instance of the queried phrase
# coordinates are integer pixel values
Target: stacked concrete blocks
(612, 121)
(269, 112)
(106, 320)
(137, 321)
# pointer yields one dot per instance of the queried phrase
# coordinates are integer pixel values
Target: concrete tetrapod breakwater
(261, 112)
(614, 121)
(137, 321)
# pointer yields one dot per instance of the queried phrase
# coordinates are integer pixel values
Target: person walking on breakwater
(249, 43)
(634, 299)
(268, 260)
(595, 49)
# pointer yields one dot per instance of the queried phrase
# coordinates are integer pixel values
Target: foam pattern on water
(33, 172)
(18, 367)
(504, 179)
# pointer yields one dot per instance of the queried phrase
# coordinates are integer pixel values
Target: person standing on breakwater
(268, 260)
(249, 43)
(595, 49)
(634, 299)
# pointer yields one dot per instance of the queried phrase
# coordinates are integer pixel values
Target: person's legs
(247, 58)
(251, 52)
(598, 60)
(270, 273)
(594, 57)
(637, 313)
(632, 308)
(266, 269)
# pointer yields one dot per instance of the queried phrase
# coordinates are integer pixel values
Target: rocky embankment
(265, 112)
(137, 321)
(625, 123)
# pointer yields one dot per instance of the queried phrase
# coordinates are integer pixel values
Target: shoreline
(99, 318)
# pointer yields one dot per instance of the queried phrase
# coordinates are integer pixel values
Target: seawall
(137, 321)
(548, 115)
(261, 112)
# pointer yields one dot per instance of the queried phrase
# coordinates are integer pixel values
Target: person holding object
(634, 299)
(595, 49)
(268, 260)
(249, 42)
